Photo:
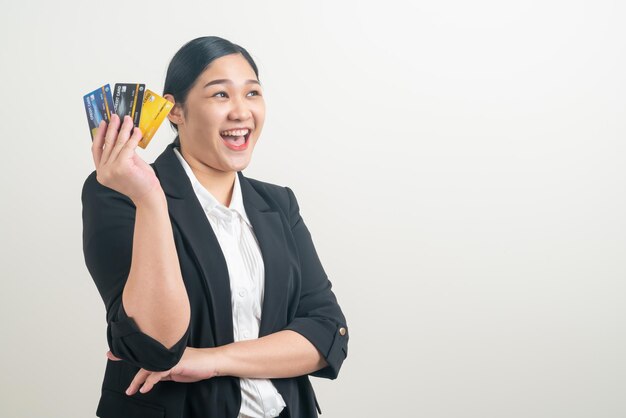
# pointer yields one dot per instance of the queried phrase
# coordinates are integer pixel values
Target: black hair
(191, 60)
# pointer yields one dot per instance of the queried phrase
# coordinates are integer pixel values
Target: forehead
(233, 67)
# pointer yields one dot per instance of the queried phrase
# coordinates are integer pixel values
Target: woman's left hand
(195, 365)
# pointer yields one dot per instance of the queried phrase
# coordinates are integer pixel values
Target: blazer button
(342, 331)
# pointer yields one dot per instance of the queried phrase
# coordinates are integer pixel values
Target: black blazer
(298, 296)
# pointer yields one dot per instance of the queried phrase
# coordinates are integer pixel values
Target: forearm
(278, 355)
(154, 294)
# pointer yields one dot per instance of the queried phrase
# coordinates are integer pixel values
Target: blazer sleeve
(318, 317)
(108, 229)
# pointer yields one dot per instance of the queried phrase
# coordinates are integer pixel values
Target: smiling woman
(218, 101)
(217, 303)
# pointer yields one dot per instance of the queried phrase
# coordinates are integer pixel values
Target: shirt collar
(209, 203)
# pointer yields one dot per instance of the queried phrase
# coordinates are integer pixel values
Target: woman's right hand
(117, 164)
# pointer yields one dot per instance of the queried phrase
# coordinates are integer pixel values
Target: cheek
(259, 114)
(260, 107)
(208, 117)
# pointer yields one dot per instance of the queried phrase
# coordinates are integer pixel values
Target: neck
(219, 183)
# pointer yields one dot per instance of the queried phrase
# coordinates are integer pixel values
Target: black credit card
(128, 99)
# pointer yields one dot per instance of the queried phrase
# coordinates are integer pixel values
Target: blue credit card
(99, 106)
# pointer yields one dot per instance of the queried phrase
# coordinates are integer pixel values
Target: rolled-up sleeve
(108, 229)
(319, 317)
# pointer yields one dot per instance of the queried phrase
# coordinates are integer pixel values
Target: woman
(217, 303)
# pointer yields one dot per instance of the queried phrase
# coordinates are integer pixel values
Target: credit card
(98, 105)
(154, 110)
(127, 99)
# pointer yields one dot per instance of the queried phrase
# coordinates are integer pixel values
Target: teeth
(236, 132)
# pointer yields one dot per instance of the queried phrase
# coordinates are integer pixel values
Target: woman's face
(226, 101)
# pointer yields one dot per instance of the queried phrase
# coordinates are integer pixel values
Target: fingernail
(143, 389)
(128, 391)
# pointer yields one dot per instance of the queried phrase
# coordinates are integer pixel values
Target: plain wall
(460, 165)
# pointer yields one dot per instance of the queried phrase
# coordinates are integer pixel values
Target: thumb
(110, 356)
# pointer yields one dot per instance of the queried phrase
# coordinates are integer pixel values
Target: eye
(256, 92)
(219, 92)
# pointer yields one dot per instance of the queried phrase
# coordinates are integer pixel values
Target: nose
(239, 110)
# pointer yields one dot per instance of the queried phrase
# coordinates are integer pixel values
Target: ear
(176, 114)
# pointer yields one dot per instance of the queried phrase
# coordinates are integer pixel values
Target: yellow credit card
(154, 110)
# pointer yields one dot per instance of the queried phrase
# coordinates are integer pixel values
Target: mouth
(236, 139)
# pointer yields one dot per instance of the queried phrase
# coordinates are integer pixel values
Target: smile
(236, 139)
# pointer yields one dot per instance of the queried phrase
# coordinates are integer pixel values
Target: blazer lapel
(268, 229)
(186, 211)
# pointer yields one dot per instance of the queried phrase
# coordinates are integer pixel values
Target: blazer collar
(210, 202)
(177, 185)
(187, 213)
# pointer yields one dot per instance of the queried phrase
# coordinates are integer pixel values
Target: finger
(110, 356)
(152, 380)
(98, 142)
(138, 380)
(122, 138)
(109, 137)
(131, 144)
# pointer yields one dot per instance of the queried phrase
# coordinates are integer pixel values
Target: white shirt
(259, 397)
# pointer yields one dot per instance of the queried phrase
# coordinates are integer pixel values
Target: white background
(460, 166)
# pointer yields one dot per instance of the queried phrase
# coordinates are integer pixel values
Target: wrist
(220, 360)
(153, 198)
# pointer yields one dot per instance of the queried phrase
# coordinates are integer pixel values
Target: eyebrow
(227, 81)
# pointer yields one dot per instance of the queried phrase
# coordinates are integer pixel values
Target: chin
(239, 166)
